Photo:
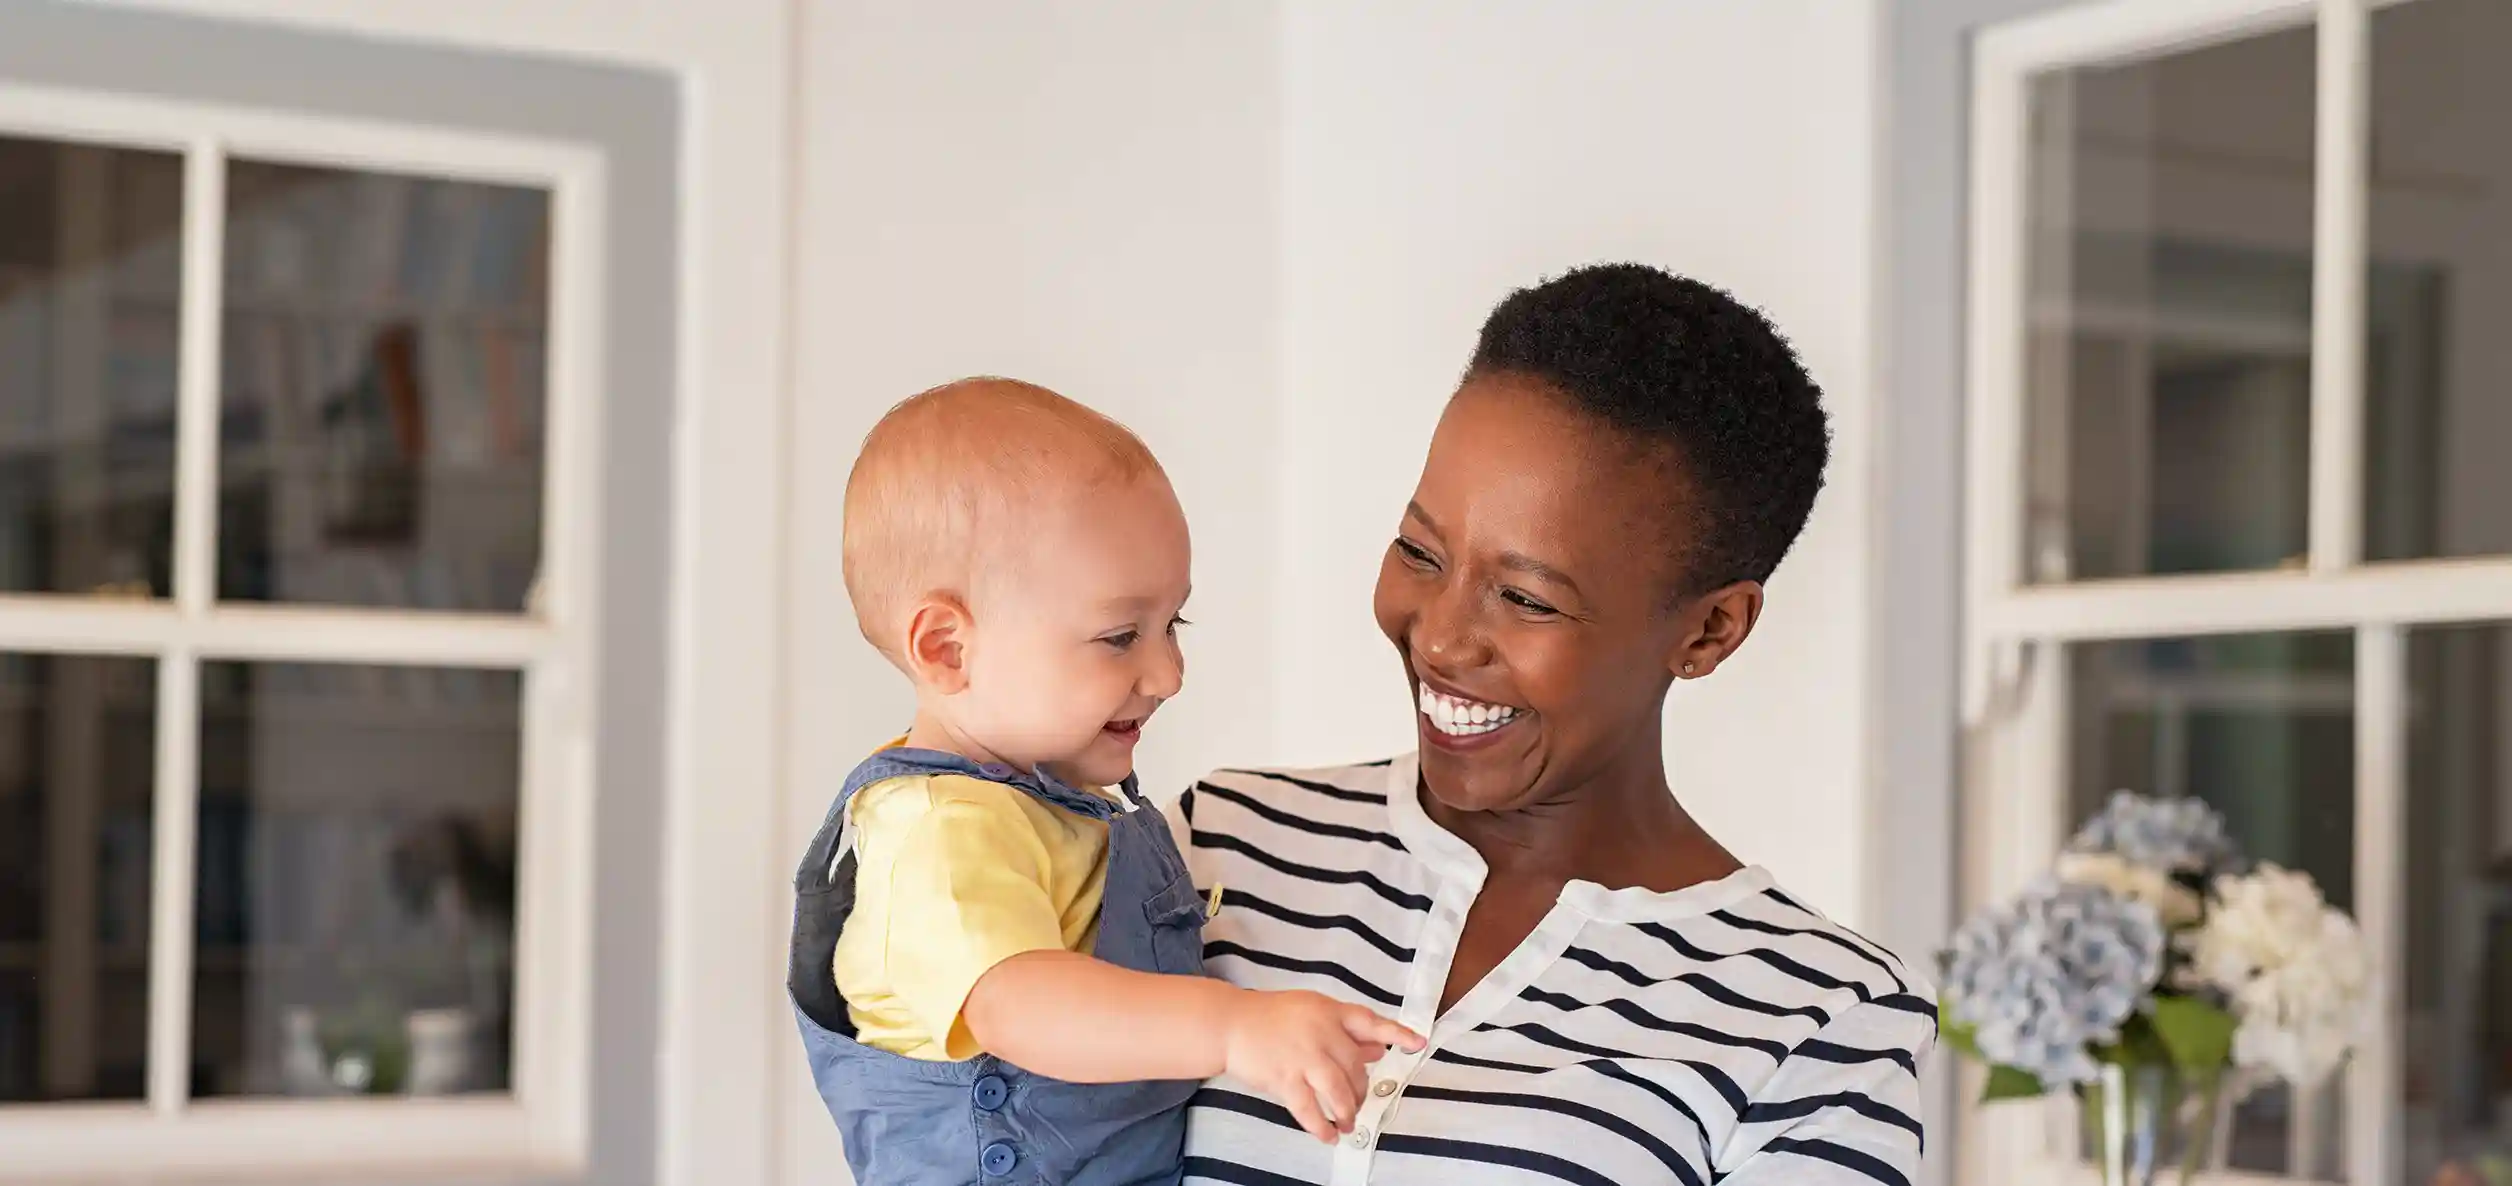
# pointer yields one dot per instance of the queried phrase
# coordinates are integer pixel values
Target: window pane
(2168, 349)
(78, 742)
(383, 396)
(90, 259)
(2261, 727)
(357, 878)
(2438, 370)
(2459, 896)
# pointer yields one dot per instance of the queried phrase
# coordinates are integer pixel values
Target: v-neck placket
(1461, 873)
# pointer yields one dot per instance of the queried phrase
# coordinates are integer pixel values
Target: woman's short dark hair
(1675, 363)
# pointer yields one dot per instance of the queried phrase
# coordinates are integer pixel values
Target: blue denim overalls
(915, 1122)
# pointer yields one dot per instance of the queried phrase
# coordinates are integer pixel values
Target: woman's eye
(1415, 554)
(1524, 602)
(1123, 639)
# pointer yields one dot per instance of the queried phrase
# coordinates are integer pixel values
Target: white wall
(1079, 195)
(1437, 155)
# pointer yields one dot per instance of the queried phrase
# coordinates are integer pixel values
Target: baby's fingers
(1336, 1096)
(1365, 1026)
(1302, 1101)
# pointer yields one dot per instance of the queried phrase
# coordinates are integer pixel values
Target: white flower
(2293, 968)
(2173, 902)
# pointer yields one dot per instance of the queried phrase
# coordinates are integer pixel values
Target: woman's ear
(939, 633)
(1717, 624)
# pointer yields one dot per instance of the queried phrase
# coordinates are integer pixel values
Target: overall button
(1359, 1138)
(991, 1092)
(998, 1159)
(1382, 1089)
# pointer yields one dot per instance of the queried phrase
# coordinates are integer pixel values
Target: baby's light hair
(943, 478)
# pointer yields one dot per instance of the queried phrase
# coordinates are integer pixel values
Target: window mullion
(197, 376)
(2341, 197)
(2374, 1082)
(170, 940)
(176, 804)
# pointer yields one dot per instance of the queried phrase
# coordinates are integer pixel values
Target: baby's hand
(1310, 1052)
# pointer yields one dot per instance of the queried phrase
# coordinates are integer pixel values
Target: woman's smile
(1458, 722)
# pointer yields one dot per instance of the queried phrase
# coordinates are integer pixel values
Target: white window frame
(540, 1125)
(2016, 634)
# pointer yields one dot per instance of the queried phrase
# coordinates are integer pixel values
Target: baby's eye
(1122, 640)
(1174, 623)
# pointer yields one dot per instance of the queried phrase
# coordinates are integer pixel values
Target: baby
(997, 958)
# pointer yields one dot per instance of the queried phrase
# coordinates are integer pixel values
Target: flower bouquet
(2144, 971)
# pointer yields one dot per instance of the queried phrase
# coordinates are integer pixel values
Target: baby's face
(1075, 643)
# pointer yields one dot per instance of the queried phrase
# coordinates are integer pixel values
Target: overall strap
(836, 836)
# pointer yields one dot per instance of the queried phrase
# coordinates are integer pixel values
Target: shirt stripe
(1724, 1034)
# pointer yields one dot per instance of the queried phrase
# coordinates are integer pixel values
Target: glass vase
(2143, 1120)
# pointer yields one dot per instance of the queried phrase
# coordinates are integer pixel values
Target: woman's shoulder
(1862, 985)
(1302, 790)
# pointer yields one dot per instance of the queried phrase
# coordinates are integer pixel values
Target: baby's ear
(939, 632)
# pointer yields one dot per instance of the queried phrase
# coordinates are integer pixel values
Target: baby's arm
(976, 951)
(1084, 1020)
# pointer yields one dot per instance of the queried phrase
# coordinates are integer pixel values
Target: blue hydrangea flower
(2051, 973)
(2172, 835)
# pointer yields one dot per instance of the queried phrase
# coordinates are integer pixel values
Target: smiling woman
(1609, 995)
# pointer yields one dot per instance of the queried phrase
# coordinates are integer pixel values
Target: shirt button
(1383, 1088)
(991, 1092)
(998, 1159)
(1359, 1138)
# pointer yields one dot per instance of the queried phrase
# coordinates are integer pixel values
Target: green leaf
(2007, 1083)
(2198, 1035)
(1954, 1035)
(2138, 1046)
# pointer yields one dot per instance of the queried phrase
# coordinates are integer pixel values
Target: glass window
(2168, 313)
(382, 401)
(77, 746)
(2458, 1044)
(2261, 727)
(90, 264)
(2438, 375)
(357, 879)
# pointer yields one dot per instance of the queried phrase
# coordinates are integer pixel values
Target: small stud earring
(1687, 669)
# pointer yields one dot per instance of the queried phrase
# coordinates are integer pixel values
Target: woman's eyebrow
(1521, 562)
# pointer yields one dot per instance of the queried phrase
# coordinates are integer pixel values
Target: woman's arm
(1843, 1108)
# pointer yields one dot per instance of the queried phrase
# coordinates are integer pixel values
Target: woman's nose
(1444, 634)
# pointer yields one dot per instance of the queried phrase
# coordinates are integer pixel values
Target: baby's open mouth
(1130, 728)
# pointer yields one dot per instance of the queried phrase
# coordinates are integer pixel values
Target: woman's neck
(1620, 829)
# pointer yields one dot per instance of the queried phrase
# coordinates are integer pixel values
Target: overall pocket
(1176, 915)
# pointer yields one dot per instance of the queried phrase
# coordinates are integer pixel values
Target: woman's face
(1531, 593)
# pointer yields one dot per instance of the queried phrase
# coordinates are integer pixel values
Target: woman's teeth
(1463, 718)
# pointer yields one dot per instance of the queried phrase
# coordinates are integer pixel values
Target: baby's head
(1023, 559)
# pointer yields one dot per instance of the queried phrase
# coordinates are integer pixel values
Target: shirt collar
(1455, 860)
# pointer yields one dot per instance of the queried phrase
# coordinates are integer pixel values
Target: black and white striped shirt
(1719, 1034)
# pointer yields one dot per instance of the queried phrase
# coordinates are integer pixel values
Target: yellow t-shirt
(953, 876)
